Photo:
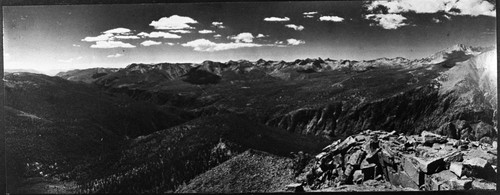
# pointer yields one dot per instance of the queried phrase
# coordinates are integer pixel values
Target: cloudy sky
(81, 36)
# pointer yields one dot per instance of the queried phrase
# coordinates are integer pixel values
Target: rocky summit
(392, 161)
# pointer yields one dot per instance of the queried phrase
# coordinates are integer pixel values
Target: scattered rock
(441, 181)
(456, 168)
(462, 184)
(431, 138)
(482, 184)
(369, 170)
(356, 158)
(296, 187)
(358, 177)
(429, 161)
(479, 168)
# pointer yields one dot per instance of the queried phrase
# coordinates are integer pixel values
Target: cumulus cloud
(115, 55)
(310, 13)
(295, 27)
(454, 7)
(209, 46)
(180, 31)
(117, 31)
(149, 43)
(295, 42)
(262, 36)
(242, 37)
(103, 37)
(217, 36)
(173, 22)
(157, 34)
(331, 18)
(110, 36)
(111, 44)
(170, 44)
(126, 37)
(206, 31)
(71, 59)
(277, 19)
(388, 21)
(218, 24)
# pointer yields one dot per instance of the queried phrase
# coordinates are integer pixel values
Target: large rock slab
(402, 179)
(441, 181)
(426, 165)
(412, 167)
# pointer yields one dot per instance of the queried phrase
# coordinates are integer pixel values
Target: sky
(63, 37)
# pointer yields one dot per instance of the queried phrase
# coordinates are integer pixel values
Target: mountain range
(167, 127)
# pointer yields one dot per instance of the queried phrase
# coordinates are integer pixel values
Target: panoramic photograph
(251, 97)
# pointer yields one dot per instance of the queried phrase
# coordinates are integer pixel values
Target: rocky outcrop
(425, 162)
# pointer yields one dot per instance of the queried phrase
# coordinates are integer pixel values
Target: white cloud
(295, 42)
(217, 36)
(117, 31)
(115, 55)
(126, 37)
(388, 21)
(149, 43)
(180, 31)
(309, 13)
(103, 37)
(242, 37)
(157, 34)
(218, 24)
(277, 19)
(111, 44)
(75, 45)
(143, 34)
(173, 22)
(295, 27)
(308, 16)
(475, 8)
(209, 46)
(262, 36)
(170, 44)
(71, 59)
(206, 31)
(465, 7)
(331, 18)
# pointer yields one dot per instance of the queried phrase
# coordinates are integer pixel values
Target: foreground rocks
(418, 162)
